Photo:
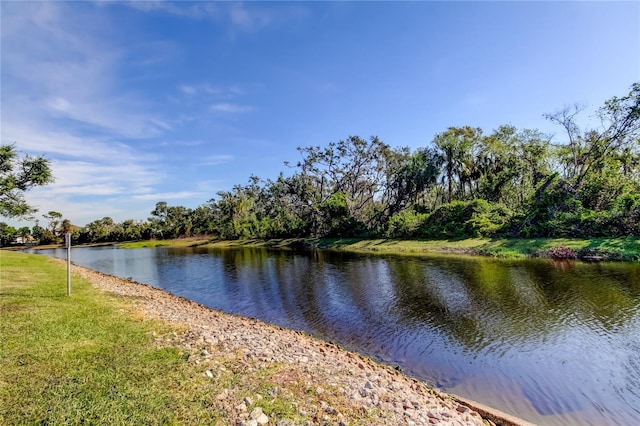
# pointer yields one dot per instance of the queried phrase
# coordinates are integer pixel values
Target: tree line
(466, 183)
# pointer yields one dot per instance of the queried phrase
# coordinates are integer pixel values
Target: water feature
(555, 343)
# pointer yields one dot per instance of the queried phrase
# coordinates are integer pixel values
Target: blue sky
(140, 102)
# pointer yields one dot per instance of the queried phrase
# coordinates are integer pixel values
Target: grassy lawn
(78, 359)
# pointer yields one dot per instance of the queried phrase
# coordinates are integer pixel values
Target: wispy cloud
(185, 143)
(242, 16)
(198, 10)
(113, 177)
(214, 160)
(209, 90)
(87, 190)
(158, 196)
(38, 138)
(58, 71)
(231, 107)
(249, 19)
(61, 75)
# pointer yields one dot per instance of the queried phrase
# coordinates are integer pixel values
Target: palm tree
(455, 146)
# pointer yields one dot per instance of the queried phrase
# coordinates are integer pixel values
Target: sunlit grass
(78, 359)
(178, 242)
(627, 248)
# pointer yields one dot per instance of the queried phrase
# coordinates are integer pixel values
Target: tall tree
(409, 176)
(18, 175)
(589, 150)
(7, 234)
(54, 220)
(455, 145)
(354, 167)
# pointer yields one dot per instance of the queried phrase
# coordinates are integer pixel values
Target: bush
(460, 219)
(337, 220)
(627, 203)
(405, 224)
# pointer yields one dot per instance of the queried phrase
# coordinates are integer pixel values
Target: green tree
(587, 151)
(18, 175)
(54, 220)
(171, 221)
(24, 233)
(455, 145)
(409, 176)
(7, 234)
(354, 167)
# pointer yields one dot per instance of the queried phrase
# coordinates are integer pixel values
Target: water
(555, 343)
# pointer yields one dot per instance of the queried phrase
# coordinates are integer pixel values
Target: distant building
(24, 240)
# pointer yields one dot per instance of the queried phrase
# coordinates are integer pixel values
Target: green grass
(626, 249)
(78, 359)
(178, 242)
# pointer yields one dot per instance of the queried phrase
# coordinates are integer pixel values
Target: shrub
(460, 219)
(405, 224)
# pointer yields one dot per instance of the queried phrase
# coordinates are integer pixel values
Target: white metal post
(68, 240)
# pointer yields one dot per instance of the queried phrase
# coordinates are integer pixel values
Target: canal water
(555, 343)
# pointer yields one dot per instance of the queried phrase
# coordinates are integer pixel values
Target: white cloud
(210, 90)
(242, 17)
(35, 137)
(188, 90)
(198, 10)
(59, 64)
(231, 107)
(213, 160)
(111, 177)
(80, 212)
(168, 195)
(185, 143)
(249, 19)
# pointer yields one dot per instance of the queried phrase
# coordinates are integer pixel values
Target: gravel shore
(336, 387)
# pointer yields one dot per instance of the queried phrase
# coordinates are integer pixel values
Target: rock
(434, 415)
(463, 409)
(256, 412)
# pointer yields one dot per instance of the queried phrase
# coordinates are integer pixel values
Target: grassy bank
(624, 249)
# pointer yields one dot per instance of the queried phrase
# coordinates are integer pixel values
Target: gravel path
(348, 388)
